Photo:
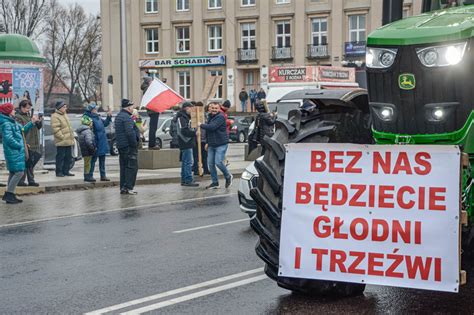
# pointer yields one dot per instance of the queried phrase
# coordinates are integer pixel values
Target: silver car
(248, 180)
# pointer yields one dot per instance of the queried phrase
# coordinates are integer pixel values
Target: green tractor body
(420, 73)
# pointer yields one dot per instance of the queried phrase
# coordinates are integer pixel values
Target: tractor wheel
(337, 126)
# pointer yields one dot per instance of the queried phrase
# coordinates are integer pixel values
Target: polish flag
(160, 97)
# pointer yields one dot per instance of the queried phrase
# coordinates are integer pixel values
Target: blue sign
(354, 49)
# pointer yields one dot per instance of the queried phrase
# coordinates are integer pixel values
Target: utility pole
(123, 39)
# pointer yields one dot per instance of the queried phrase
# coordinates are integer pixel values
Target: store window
(215, 4)
(248, 35)
(220, 88)
(283, 34)
(247, 3)
(183, 42)
(152, 41)
(182, 5)
(319, 32)
(215, 37)
(357, 29)
(184, 84)
(151, 6)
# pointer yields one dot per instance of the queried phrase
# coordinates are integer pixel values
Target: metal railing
(281, 53)
(317, 51)
(247, 55)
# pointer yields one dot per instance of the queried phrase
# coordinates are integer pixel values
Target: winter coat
(261, 95)
(33, 135)
(126, 132)
(100, 132)
(265, 124)
(174, 132)
(62, 129)
(216, 130)
(13, 142)
(186, 134)
(87, 140)
(253, 95)
(243, 96)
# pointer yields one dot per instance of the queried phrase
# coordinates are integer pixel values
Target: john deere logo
(406, 81)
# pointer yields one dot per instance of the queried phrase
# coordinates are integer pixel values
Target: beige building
(186, 41)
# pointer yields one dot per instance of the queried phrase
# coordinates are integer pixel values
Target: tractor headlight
(380, 58)
(442, 56)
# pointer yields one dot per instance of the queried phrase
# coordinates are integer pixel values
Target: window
(152, 41)
(215, 4)
(319, 32)
(282, 1)
(182, 5)
(215, 73)
(151, 6)
(182, 39)
(247, 3)
(248, 35)
(283, 34)
(184, 84)
(215, 37)
(357, 28)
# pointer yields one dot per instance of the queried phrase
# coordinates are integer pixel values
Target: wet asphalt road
(90, 259)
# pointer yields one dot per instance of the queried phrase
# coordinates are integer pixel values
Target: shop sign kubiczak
(385, 215)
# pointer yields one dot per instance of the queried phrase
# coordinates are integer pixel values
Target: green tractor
(420, 74)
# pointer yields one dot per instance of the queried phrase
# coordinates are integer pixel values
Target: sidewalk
(49, 183)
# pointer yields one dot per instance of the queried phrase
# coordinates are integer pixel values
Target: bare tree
(57, 34)
(24, 17)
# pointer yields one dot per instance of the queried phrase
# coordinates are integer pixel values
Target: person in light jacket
(63, 139)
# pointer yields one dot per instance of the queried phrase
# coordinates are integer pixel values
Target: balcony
(247, 55)
(281, 53)
(317, 52)
(355, 49)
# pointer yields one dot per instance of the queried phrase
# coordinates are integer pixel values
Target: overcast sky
(91, 6)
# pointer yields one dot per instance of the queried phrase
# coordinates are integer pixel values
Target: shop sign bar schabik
(183, 62)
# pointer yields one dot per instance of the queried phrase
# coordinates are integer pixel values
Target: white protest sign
(386, 215)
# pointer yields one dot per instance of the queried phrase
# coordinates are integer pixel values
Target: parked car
(50, 147)
(163, 117)
(163, 136)
(239, 131)
(248, 180)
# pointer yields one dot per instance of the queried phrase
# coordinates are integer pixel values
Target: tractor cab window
(432, 5)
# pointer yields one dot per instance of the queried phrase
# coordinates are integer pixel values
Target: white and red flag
(160, 97)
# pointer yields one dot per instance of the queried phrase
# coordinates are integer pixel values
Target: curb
(21, 191)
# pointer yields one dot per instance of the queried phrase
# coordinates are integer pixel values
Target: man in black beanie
(127, 136)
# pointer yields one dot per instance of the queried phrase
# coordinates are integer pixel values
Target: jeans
(154, 117)
(33, 159)
(252, 105)
(187, 166)
(128, 167)
(101, 166)
(13, 180)
(205, 168)
(244, 106)
(63, 160)
(215, 157)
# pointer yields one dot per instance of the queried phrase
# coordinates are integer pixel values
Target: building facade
(186, 41)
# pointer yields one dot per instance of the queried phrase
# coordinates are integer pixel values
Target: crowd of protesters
(21, 141)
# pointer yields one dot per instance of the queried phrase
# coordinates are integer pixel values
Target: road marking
(174, 292)
(195, 295)
(167, 203)
(210, 226)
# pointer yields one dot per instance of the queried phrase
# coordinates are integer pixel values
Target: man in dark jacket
(264, 123)
(243, 97)
(154, 117)
(261, 95)
(127, 136)
(186, 140)
(217, 142)
(100, 139)
(32, 137)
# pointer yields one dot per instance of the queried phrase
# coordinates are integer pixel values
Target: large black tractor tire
(336, 126)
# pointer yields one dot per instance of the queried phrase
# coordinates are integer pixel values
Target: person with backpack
(87, 142)
(186, 140)
(174, 132)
